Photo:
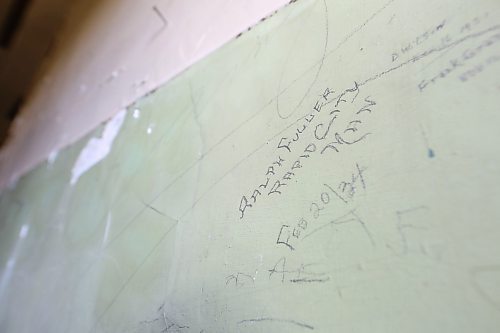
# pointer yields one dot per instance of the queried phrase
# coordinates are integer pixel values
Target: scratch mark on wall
(430, 151)
(164, 22)
(318, 71)
(161, 16)
(489, 271)
(153, 208)
(288, 321)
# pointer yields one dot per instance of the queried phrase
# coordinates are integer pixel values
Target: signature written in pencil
(343, 191)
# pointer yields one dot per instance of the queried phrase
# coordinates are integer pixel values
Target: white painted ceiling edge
(106, 61)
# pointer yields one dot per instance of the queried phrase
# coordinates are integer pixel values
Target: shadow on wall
(29, 35)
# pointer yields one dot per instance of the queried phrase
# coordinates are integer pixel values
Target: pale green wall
(151, 238)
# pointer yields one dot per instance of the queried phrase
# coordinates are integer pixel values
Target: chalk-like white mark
(114, 74)
(261, 258)
(150, 128)
(97, 148)
(6, 276)
(106, 230)
(24, 231)
(136, 114)
(10, 263)
(200, 41)
(52, 156)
